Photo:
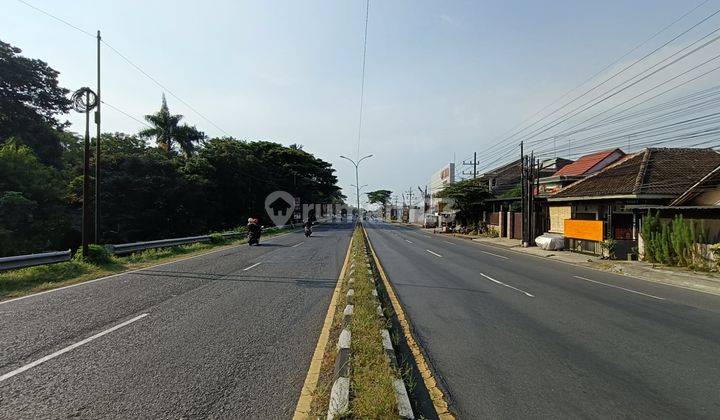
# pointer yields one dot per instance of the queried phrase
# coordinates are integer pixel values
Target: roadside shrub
(609, 247)
(673, 243)
(217, 239)
(97, 254)
(490, 233)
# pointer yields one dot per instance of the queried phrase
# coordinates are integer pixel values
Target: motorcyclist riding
(254, 231)
(308, 228)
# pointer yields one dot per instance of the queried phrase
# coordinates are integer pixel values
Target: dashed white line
(408, 241)
(495, 255)
(297, 244)
(448, 242)
(506, 285)
(434, 253)
(68, 348)
(254, 265)
(131, 271)
(619, 287)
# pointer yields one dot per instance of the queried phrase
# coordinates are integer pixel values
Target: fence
(22, 261)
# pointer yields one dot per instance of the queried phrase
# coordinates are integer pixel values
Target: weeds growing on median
(372, 377)
(371, 389)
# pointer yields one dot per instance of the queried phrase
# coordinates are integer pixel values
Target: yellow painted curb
(436, 395)
(302, 409)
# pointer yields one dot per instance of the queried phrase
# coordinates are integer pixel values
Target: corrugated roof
(585, 164)
(654, 171)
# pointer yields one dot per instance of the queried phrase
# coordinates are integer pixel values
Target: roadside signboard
(591, 230)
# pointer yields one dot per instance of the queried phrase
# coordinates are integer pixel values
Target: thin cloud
(449, 20)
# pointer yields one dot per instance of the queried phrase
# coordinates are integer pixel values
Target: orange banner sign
(591, 230)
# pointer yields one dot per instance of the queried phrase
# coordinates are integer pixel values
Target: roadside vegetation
(99, 263)
(371, 392)
(677, 242)
(166, 180)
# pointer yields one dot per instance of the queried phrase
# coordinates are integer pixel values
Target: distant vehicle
(430, 221)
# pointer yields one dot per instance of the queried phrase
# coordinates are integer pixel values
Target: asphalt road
(226, 334)
(515, 336)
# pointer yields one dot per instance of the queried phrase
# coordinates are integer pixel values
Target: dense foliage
(673, 243)
(468, 198)
(380, 197)
(184, 184)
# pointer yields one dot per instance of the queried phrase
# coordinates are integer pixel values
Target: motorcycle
(254, 237)
(308, 232)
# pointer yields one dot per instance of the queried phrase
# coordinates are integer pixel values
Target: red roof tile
(654, 171)
(585, 164)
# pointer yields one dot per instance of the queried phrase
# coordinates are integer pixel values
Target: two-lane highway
(516, 336)
(225, 334)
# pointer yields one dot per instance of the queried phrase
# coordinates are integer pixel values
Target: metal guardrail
(124, 249)
(30, 260)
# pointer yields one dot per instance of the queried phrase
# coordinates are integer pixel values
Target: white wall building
(438, 181)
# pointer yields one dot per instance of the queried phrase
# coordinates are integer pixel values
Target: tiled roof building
(652, 173)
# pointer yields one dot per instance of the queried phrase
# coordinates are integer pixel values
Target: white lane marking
(135, 271)
(408, 241)
(618, 287)
(254, 265)
(68, 348)
(434, 253)
(495, 255)
(298, 244)
(448, 242)
(506, 285)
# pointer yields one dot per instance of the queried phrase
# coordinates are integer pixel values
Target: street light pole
(357, 178)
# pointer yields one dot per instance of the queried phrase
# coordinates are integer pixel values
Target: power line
(57, 18)
(362, 84)
(144, 73)
(506, 139)
(127, 60)
(567, 132)
(126, 114)
(597, 100)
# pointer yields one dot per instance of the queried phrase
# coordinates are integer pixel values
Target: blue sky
(443, 79)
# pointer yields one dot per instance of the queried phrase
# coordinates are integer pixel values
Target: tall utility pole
(410, 193)
(473, 164)
(522, 190)
(531, 199)
(425, 197)
(84, 100)
(97, 148)
(357, 178)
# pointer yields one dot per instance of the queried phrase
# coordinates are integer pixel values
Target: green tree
(380, 197)
(30, 101)
(468, 198)
(33, 214)
(167, 131)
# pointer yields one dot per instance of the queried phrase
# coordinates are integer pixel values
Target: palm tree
(167, 130)
(187, 137)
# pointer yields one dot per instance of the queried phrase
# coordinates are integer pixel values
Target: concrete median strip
(437, 396)
(358, 378)
(303, 409)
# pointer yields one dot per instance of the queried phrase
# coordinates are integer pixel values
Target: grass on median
(373, 395)
(25, 281)
(371, 391)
